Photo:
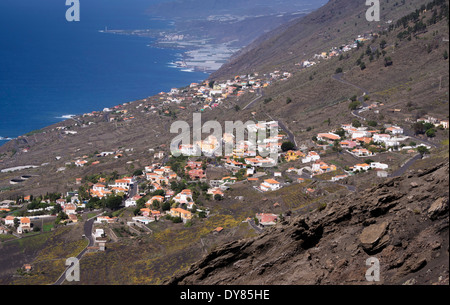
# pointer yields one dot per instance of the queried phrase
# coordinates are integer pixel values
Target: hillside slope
(402, 222)
(330, 25)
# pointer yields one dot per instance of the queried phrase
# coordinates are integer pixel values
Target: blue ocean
(51, 68)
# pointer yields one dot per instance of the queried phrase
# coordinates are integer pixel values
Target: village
(168, 189)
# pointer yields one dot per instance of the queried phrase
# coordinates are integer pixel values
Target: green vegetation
(286, 146)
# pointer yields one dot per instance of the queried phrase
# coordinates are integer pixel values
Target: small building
(266, 220)
(270, 185)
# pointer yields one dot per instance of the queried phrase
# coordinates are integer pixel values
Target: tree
(428, 126)
(288, 100)
(418, 128)
(288, 145)
(387, 61)
(177, 220)
(372, 123)
(155, 204)
(339, 70)
(356, 123)
(354, 105)
(114, 202)
(138, 172)
(340, 132)
(431, 133)
(16, 222)
(218, 197)
(423, 150)
(56, 209)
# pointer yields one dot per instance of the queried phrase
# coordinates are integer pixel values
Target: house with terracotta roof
(184, 196)
(329, 137)
(348, 144)
(266, 220)
(24, 225)
(270, 185)
(320, 167)
(292, 155)
(106, 219)
(362, 152)
(183, 214)
(218, 230)
(122, 183)
(215, 191)
(70, 208)
(362, 166)
(9, 220)
(395, 130)
(195, 174)
(80, 163)
(310, 157)
(366, 140)
(159, 199)
(132, 201)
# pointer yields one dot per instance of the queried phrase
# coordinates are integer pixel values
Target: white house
(130, 202)
(362, 152)
(99, 187)
(143, 219)
(184, 197)
(80, 163)
(395, 130)
(360, 134)
(363, 166)
(381, 137)
(310, 157)
(25, 225)
(189, 150)
(270, 185)
(378, 165)
(99, 233)
(9, 220)
(122, 183)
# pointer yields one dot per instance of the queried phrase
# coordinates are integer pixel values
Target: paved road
(88, 225)
(285, 129)
(259, 93)
(405, 166)
(258, 230)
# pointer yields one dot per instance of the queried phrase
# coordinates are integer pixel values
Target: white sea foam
(66, 116)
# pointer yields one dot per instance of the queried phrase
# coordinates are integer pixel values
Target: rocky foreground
(403, 223)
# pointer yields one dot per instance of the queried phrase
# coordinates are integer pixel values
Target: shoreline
(196, 54)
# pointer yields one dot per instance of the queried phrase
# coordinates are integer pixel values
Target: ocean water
(51, 68)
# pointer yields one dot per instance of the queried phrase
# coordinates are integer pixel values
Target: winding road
(88, 225)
